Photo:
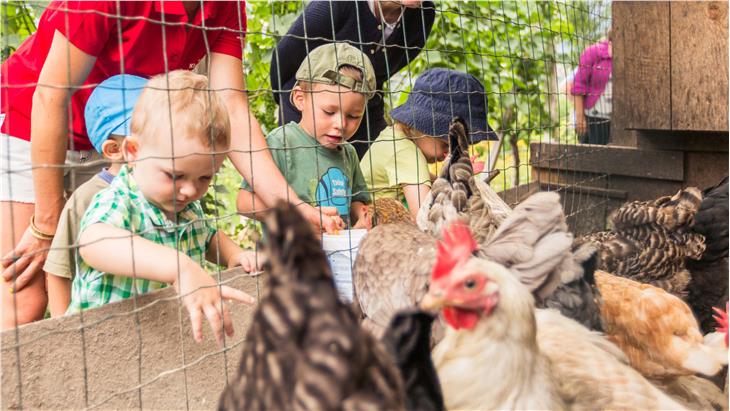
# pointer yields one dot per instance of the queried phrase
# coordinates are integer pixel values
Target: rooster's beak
(432, 302)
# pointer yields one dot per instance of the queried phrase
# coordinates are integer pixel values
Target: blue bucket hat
(109, 108)
(438, 96)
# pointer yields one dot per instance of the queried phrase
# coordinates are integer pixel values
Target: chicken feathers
(407, 339)
(536, 359)
(650, 240)
(391, 272)
(709, 284)
(535, 245)
(305, 349)
(457, 195)
(655, 329)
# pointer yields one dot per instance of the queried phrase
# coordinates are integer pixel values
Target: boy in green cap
(334, 83)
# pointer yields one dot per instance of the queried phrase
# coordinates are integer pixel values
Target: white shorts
(16, 170)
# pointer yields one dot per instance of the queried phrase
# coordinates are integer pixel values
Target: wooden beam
(611, 160)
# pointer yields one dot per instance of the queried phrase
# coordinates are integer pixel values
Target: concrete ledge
(124, 355)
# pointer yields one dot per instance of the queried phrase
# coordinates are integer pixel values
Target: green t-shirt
(391, 162)
(320, 176)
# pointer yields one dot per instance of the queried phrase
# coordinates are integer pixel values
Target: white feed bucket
(341, 250)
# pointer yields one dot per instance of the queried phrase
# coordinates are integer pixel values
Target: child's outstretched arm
(135, 256)
(415, 196)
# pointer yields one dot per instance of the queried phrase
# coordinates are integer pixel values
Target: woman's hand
(22, 264)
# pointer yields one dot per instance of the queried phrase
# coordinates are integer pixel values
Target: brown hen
(655, 329)
(662, 340)
(387, 211)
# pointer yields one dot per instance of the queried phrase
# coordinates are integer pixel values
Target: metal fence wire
(138, 353)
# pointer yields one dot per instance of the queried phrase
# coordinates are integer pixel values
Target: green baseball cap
(323, 64)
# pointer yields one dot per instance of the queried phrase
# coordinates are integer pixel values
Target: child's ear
(112, 150)
(297, 97)
(130, 149)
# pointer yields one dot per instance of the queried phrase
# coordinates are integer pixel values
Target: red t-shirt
(95, 27)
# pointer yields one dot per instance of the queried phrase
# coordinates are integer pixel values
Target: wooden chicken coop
(670, 113)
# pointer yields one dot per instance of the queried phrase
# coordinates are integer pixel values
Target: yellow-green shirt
(393, 161)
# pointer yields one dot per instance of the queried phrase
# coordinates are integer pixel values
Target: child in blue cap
(396, 165)
(107, 116)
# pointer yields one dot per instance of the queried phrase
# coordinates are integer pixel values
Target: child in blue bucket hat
(107, 114)
(396, 165)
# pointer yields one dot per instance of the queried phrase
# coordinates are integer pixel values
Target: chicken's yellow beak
(432, 302)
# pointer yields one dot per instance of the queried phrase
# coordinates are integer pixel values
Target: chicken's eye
(470, 284)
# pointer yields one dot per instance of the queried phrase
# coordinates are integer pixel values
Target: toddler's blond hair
(179, 104)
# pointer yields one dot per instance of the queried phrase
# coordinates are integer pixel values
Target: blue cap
(109, 108)
(438, 96)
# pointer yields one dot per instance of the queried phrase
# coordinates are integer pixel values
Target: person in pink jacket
(592, 92)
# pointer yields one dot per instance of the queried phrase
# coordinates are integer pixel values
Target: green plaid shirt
(123, 205)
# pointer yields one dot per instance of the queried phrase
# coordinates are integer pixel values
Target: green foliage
(17, 21)
(273, 19)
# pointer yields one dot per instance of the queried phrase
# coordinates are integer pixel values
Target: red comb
(456, 247)
(722, 321)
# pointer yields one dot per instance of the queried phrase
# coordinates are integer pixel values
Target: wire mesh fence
(525, 55)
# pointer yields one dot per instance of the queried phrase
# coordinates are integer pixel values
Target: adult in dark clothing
(391, 33)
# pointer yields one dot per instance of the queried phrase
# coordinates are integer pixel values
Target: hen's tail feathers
(696, 393)
(711, 221)
(408, 340)
(458, 139)
(292, 247)
(447, 200)
(459, 170)
(534, 243)
(673, 213)
(587, 257)
(578, 297)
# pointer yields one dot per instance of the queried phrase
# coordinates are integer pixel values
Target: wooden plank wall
(641, 64)
(670, 67)
(699, 63)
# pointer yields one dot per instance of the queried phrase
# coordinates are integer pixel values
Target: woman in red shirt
(79, 44)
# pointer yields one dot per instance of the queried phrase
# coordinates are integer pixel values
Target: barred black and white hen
(650, 241)
(305, 348)
(709, 285)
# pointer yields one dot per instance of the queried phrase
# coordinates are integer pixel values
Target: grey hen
(391, 272)
(650, 241)
(535, 245)
(709, 284)
(457, 195)
(305, 348)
